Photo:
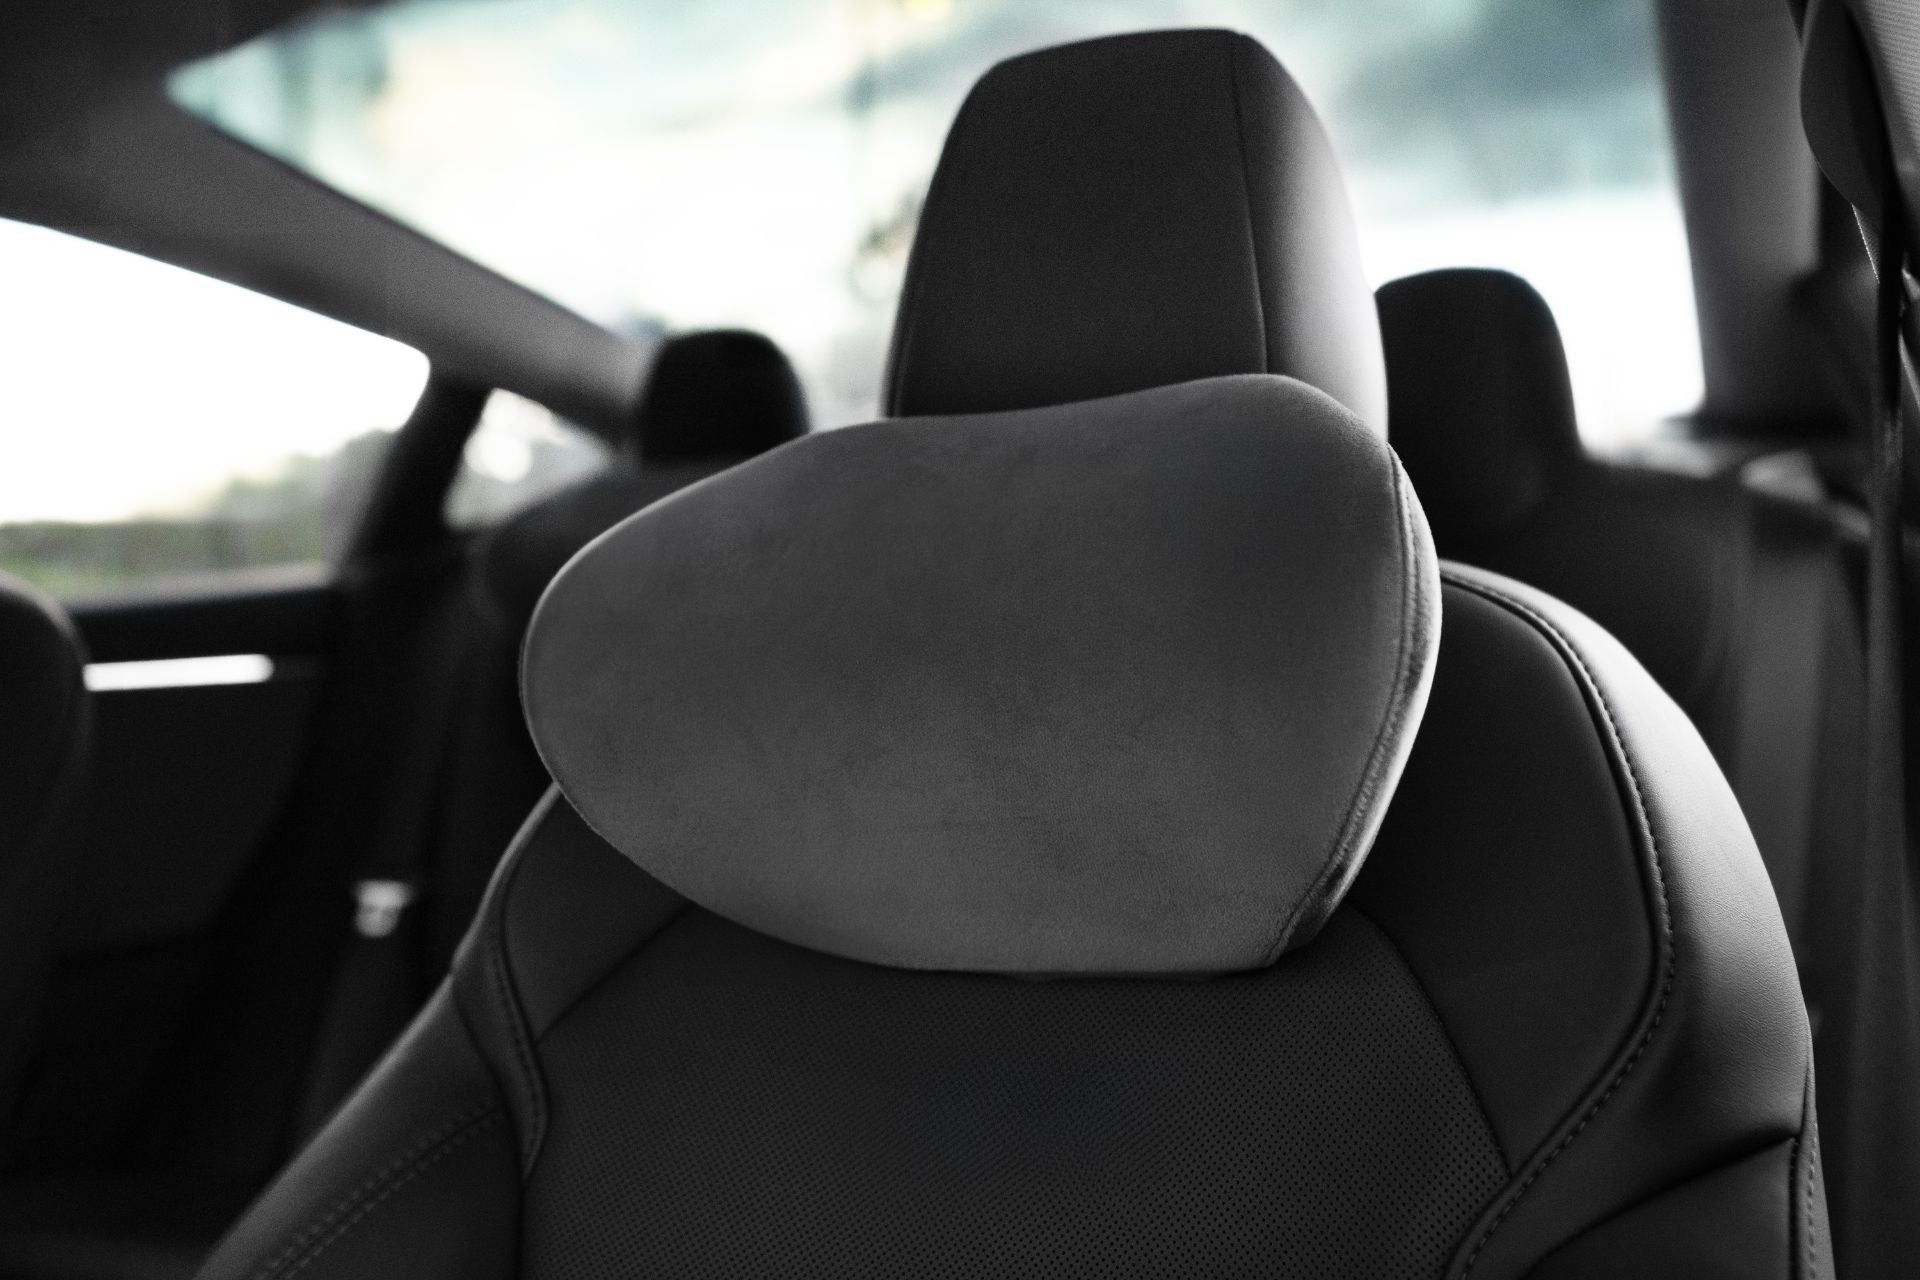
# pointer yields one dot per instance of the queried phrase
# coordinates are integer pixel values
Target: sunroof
(760, 162)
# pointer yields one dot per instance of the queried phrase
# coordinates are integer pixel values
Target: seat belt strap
(1886, 570)
(378, 985)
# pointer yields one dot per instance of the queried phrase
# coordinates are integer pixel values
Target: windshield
(665, 166)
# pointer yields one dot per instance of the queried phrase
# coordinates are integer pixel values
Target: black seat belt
(1868, 1047)
(379, 982)
(1886, 563)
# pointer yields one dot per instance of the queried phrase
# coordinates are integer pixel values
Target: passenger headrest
(1119, 687)
(717, 394)
(1482, 406)
(1133, 212)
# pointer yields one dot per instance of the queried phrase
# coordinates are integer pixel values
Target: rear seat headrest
(1116, 687)
(718, 393)
(1482, 407)
(1131, 212)
(44, 716)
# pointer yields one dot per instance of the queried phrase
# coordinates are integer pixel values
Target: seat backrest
(43, 735)
(1091, 835)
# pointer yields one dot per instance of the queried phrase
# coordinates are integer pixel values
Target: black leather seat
(992, 862)
(43, 735)
(1747, 608)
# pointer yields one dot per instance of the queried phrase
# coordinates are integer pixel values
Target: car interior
(958, 638)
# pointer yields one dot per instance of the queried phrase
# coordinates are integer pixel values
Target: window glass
(162, 425)
(519, 453)
(761, 162)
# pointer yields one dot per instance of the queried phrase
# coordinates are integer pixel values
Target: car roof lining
(91, 145)
(84, 97)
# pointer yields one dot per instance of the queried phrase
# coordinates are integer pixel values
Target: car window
(761, 162)
(519, 453)
(162, 425)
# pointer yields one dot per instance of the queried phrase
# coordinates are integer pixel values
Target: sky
(134, 387)
(749, 162)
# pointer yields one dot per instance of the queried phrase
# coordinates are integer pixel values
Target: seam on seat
(526, 1070)
(1246, 199)
(389, 1178)
(1446, 1034)
(1339, 856)
(626, 958)
(905, 319)
(1800, 1225)
(1662, 916)
(1740, 1155)
(1797, 1243)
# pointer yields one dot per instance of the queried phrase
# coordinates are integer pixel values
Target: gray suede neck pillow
(1112, 688)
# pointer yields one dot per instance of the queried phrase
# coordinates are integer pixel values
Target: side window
(159, 425)
(519, 453)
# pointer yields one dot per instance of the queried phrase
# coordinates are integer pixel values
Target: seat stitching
(516, 1028)
(1794, 1229)
(1246, 197)
(398, 1178)
(1446, 1032)
(372, 1183)
(1663, 916)
(1810, 1135)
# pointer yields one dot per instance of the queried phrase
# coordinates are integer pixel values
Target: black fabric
(44, 718)
(717, 393)
(728, 1105)
(1177, 216)
(1098, 734)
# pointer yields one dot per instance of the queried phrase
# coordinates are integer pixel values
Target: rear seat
(1746, 606)
(44, 718)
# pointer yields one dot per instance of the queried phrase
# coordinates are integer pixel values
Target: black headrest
(718, 394)
(1860, 102)
(1482, 408)
(712, 399)
(1116, 687)
(43, 716)
(1133, 212)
